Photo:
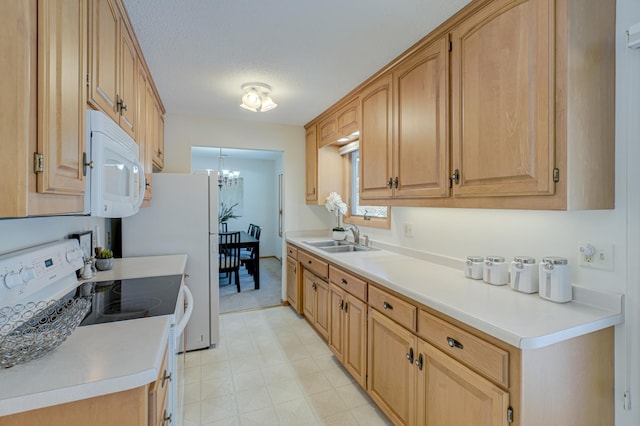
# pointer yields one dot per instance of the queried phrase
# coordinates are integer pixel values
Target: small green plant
(226, 212)
(105, 254)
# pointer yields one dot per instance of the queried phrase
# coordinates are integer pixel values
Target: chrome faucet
(356, 233)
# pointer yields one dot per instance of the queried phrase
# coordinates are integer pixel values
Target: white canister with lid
(496, 270)
(473, 267)
(524, 274)
(555, 279)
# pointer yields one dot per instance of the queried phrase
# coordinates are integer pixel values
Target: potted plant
(334, 204)
(104, 260)
(226, 212)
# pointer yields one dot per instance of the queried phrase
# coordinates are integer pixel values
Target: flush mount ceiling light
(256, 97)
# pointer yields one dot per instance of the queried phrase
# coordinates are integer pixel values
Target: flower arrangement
(338, 207)
(226, 212)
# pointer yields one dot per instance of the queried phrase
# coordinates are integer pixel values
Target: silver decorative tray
(30, 331)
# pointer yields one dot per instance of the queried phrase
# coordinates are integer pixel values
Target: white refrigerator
(183, 219)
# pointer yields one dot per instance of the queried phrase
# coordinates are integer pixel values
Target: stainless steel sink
(346, 248)
(328, 243)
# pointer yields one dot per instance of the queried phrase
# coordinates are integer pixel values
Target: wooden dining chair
(229, 255)
(248, 256)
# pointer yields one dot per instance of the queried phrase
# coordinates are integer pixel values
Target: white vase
(339, 235)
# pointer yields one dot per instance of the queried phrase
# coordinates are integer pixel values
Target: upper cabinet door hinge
(556, 175)
(450, 46)
(510, 415)
(38, 163)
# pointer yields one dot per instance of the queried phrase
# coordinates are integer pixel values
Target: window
(363, 215)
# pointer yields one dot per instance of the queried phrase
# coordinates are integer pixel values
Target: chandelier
(226, 177)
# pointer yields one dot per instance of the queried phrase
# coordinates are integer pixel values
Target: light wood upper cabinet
(113, 65)
(62, 29)
(375, 139)
(324, 168)
(420, 140)
(503, 100)
(327, 131)
(347, 119)
(45, 113)
(158, 140)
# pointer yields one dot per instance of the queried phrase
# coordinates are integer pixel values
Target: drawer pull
(410, 356)
(343, 282)
(454, 343)
(387, 306)
(420, 362)
(165, 377)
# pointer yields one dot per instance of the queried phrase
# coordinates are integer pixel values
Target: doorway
(251, 187)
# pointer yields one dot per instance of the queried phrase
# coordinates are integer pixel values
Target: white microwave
(115, 181)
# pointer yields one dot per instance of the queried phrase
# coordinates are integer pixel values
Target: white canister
(495, 271)
(473, 267)
(555, 279)
(524, 274)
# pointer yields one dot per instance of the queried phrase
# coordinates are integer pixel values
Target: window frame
(373, 222)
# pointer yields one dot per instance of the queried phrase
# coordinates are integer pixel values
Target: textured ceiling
(311, 52)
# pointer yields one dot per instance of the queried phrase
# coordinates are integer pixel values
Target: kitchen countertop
(522, 320)
(96, 359)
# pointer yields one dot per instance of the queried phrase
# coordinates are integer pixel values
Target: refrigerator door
(213, 203)
(177, 222)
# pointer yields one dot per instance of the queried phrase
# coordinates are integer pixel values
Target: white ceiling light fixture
(256, 97)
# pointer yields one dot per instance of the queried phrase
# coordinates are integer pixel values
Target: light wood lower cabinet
(316, 302)
(448, 393)
(293, 284)
(348, 332)
(392, 376)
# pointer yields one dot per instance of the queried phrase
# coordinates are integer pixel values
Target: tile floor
(271, 368)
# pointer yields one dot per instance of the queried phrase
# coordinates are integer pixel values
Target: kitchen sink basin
(344, 248)
(328, 243)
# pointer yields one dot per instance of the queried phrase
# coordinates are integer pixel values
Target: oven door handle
(187, 313)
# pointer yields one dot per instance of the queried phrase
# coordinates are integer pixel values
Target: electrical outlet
(596, 255)
(408, 230)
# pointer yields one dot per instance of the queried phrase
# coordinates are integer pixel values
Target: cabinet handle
(165, 377)
(420, 362)
(341, 305)
(346, 307)
(455, 176)
(387, 306)
(454, 343)
(166, 419)
(390, 183)
(410, 356)
(395, 182)
(313, 286)
(343, 281)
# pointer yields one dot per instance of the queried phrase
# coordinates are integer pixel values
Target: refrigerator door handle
(187, 313)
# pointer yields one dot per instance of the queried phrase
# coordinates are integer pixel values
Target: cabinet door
(105, 41)
(421, 145)
(503, 99)
(292, 284)
(62, 29)
(327, 131)
(311, 155)
(355, 339)
(308, 295)
(336, 322)
(375, 139)
(128, 83)
(322, 307)
(158, 148)
(392, 375)
(451, 394)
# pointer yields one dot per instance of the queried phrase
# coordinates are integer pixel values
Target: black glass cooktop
(120, 300)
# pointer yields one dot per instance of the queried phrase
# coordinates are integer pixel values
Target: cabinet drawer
(158, 394)
(349, 283)
(478, 354)
(313, 264)
(402, 312)
(292, 251)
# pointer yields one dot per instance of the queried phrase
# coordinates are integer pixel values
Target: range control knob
(27, 273)
(13, 279)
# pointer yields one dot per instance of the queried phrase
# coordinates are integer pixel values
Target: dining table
(249, 241)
